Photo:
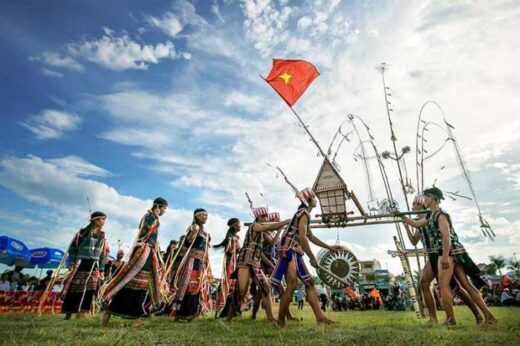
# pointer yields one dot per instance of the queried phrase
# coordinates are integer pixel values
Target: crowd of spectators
(15, 280)
(506, 293)
(22, 293)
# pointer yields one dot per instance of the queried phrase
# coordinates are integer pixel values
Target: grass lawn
(358, 328)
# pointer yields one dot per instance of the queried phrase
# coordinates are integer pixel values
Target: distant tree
(499, 262)
(400, 278)
(416, 276)
(514, 265)
(317, 280)
(490, 269)
(370, 277)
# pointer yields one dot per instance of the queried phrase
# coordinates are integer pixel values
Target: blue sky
(126, 101)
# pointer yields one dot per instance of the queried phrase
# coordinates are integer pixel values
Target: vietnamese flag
(290, 78)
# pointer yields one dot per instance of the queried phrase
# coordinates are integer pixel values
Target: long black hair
(231, 232)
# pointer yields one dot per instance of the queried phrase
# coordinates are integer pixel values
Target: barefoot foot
(450, 321)
(327, 322)
(139, 323)
(490, 320)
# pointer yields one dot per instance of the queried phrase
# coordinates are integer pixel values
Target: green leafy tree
(400, 278)
(499, 262)
(514, 265)
(416, 276)
(370, 277)
(490, 269)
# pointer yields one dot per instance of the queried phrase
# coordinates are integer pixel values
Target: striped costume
(87, 257)
(290, 247)
(250, 256)
(191, 282)
(227, 285)
(140, 278)
(457, 250)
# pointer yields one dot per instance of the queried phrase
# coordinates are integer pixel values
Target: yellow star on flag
(286, 77)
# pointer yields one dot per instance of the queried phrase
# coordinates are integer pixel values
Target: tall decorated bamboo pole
(408, 277)
(397, 158)
(405, 264)
(420, 158)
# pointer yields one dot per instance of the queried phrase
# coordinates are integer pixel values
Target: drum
(341, 263)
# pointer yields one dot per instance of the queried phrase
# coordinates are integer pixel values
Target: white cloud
(239, 99)
(79, 166)
(216, 11)
(51, 124)
(510, 171)
(54, 59)
(62, 190)
(304, 22)
(168, 23)
(51, 73)
(265, 24)
(142, 107)
(141, 137)
(121, 53)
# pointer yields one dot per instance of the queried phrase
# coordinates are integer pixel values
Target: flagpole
(309, 133)
(304, 126)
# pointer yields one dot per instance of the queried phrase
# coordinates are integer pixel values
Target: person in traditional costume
(126, 294)
(294, 244)
(231, 247)
(172, 264)
(170, 251)
(113, 266)
(87, 264)
(268, 263)
(191, 282)
(452, 257)
(430, 270)
(249, 264)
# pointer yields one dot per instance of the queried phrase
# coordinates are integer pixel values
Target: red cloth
(350, 292)
(290, 78)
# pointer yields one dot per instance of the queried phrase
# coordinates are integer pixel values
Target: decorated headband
(199, 211)
(260, 212)
(418, 200)
(305, 195)
(257, 212)
(274, 217)
(97, 215)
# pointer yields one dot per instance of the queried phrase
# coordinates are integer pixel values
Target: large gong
(342, 263)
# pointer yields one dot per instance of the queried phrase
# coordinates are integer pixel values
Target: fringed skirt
(470, 268)
(80, 287)
(134, 289)
(191, 297)
(226, 287)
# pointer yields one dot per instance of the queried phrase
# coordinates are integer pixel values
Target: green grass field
(358, 328)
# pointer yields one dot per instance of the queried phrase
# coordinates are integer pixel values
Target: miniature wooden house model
(332, 192)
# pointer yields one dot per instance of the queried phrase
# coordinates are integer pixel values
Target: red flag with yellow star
(290, 78)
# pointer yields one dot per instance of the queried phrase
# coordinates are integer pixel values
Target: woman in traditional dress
(87, 263)
(231, 246)
(142, 277)
(191, 282)
(453, 258)
(112, 267)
